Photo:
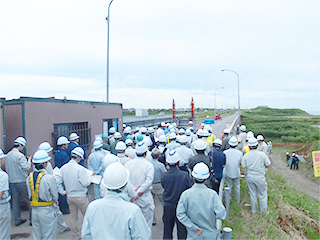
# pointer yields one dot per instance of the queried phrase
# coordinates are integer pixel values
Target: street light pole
(108, 20)
(238, 91)
(214, 105)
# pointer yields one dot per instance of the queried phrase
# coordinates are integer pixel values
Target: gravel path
(293, 176)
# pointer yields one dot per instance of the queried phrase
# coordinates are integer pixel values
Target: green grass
(285, 125)
(283, 197)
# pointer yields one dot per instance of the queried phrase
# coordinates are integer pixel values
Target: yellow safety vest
(211, 138)
(246, 149)
(35, 192)
(208, 142)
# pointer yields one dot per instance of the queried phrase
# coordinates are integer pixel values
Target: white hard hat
(287, 153)
(129, 141)
(40, 156)
(172, 136)
(233, 141)
(129, 128)
(123, 125)
(109, 159)
(217, 141)
(150, 130)
(170, 127)
(21, 141)
(200, 144)
(200, 132)
(181, 131)
(174, 124)
(183, 139)
(190, 122)
(252, 142)
(206, 127)
(202, 124)
(121, 146)
(143, 130)
(126, 131)
(73, 136)
(141, 147)
(137, 129)
(78, 151)
(243, 128)
(250, 135)
(45, 146)
(226, 131)
(117, 135)
(172, 130)
(260, 138)
(162, 138)
(200, 171)
(205, 133)
(98, 139)
(62, 140)
(163, 124)
(97, 144)
(188, 132)
(115, 176)
(173, 157)
(2, 155)
(112, 130)
(293, 154)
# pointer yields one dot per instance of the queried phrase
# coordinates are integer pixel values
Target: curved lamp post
(238, 91)
(108, 20)
(214, 105)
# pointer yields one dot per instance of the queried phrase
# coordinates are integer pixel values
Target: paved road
(157, 230)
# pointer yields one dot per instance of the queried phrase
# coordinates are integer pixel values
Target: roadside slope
(293, 176)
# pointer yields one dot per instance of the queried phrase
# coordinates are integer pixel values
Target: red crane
(173, 110)
(192, 108)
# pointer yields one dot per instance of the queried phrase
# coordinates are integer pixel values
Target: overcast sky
(160, 50)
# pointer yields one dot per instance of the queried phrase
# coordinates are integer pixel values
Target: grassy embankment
(291, 213)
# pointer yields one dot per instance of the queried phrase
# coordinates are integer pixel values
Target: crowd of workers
(183, 168)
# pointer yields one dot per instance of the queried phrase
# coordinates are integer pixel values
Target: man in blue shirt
(174, 182)
(288, 159)
(293, 162)
(218, 163)
(74, 142)
(61, 158)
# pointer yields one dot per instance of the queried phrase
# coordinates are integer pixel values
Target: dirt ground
(295, 177)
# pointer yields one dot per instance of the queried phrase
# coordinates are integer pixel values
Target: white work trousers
(44, 222)
(236, 183)
(258, 187)
(62, 226)
(5, 221)
(146, 203)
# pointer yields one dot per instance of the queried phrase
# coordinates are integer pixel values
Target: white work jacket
(199, 207)
(112, 217)
(184, 153)
(141, 177)
(17, 166)
(233, 161)
(75, 179)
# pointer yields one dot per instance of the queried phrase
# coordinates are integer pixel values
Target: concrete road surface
(24, 231)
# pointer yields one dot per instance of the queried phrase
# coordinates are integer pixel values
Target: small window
(65, 129)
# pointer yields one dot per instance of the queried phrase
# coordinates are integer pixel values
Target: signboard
(316, 163)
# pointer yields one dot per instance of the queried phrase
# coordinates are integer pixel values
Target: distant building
(46, 119)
